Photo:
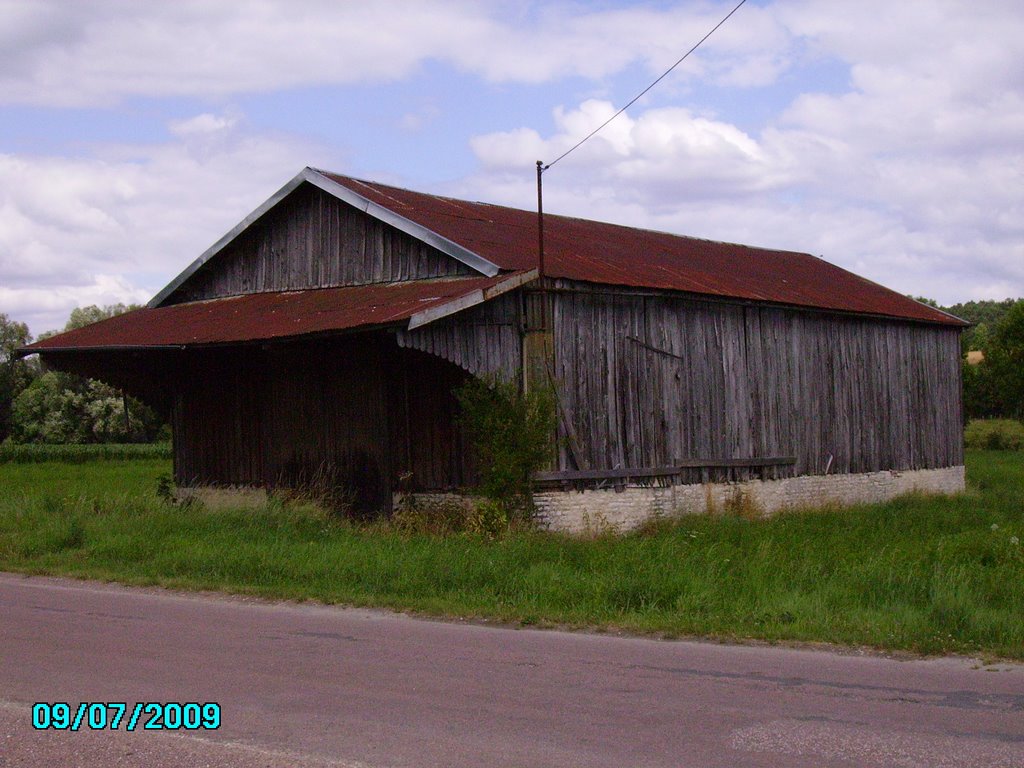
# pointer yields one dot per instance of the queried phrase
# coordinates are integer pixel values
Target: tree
(1005, 359)
(83, 316)
(15, 375)
(977, 312)
(981, 395)
(984, 315)
(63, 408)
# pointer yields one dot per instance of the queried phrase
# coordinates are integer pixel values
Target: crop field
(923, 574)
(71, 454)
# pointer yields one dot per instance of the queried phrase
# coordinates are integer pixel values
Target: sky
(886, 137)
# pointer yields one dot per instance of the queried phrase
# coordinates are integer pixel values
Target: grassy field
(72, 454)
(930, 575)
(995, 434)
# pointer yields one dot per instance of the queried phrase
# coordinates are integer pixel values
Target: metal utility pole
(540, 219)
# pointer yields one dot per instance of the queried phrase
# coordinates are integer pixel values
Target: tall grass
(921, 573)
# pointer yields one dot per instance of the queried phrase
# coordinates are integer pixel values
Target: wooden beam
(510, 284)
(470, 299)
(605, 474)
(675, 469)
(466, 301)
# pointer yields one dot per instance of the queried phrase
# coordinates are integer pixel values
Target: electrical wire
(645, 90)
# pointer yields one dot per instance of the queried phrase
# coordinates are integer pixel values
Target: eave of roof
(282, 315)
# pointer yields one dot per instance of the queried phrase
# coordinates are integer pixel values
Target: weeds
(450, 514)
(325, 488)
(431, 514)
(742, 504)
(165, 490)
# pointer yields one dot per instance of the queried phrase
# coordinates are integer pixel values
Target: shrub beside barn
(323, 336)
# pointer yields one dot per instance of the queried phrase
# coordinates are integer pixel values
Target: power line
(645, 90)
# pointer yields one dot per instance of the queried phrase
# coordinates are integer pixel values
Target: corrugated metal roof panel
(598, 252)
(266, 316)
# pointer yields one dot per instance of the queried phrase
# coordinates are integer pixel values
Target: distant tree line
(985, 316)
(993, 387)
(46, 406)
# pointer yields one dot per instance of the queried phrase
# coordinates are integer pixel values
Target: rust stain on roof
(267, 316)
(575, 249)
(598, 252)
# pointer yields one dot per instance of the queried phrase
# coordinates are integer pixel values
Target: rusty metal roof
(268, 316)
(501, 244)
(598, 252)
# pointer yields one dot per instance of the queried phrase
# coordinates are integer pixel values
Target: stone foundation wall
(590, 511)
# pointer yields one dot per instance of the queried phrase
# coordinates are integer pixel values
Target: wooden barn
(329, 328)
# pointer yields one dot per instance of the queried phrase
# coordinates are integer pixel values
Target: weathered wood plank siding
(485, 340)
(427, 442)
(314, 240)
(358, 409)
(648, 379)
(278, 417)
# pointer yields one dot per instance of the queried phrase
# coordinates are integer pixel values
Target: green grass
(925, 574)
(995, 434)
(32, 453)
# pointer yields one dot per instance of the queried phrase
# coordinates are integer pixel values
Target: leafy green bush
(15, 375)
(62, 408)
(488, 518)
(512, 434)
(995, 435)
(33, 453)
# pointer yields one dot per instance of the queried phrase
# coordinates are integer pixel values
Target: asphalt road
(305, 685)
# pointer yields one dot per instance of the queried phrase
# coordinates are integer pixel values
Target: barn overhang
(273, 316)
(271, 388)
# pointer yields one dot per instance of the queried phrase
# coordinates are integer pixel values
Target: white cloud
(911, 176)
(56, 53)
(48, 308)
(77, 231)
(412, 122)
(203, 125)
(662, 155)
